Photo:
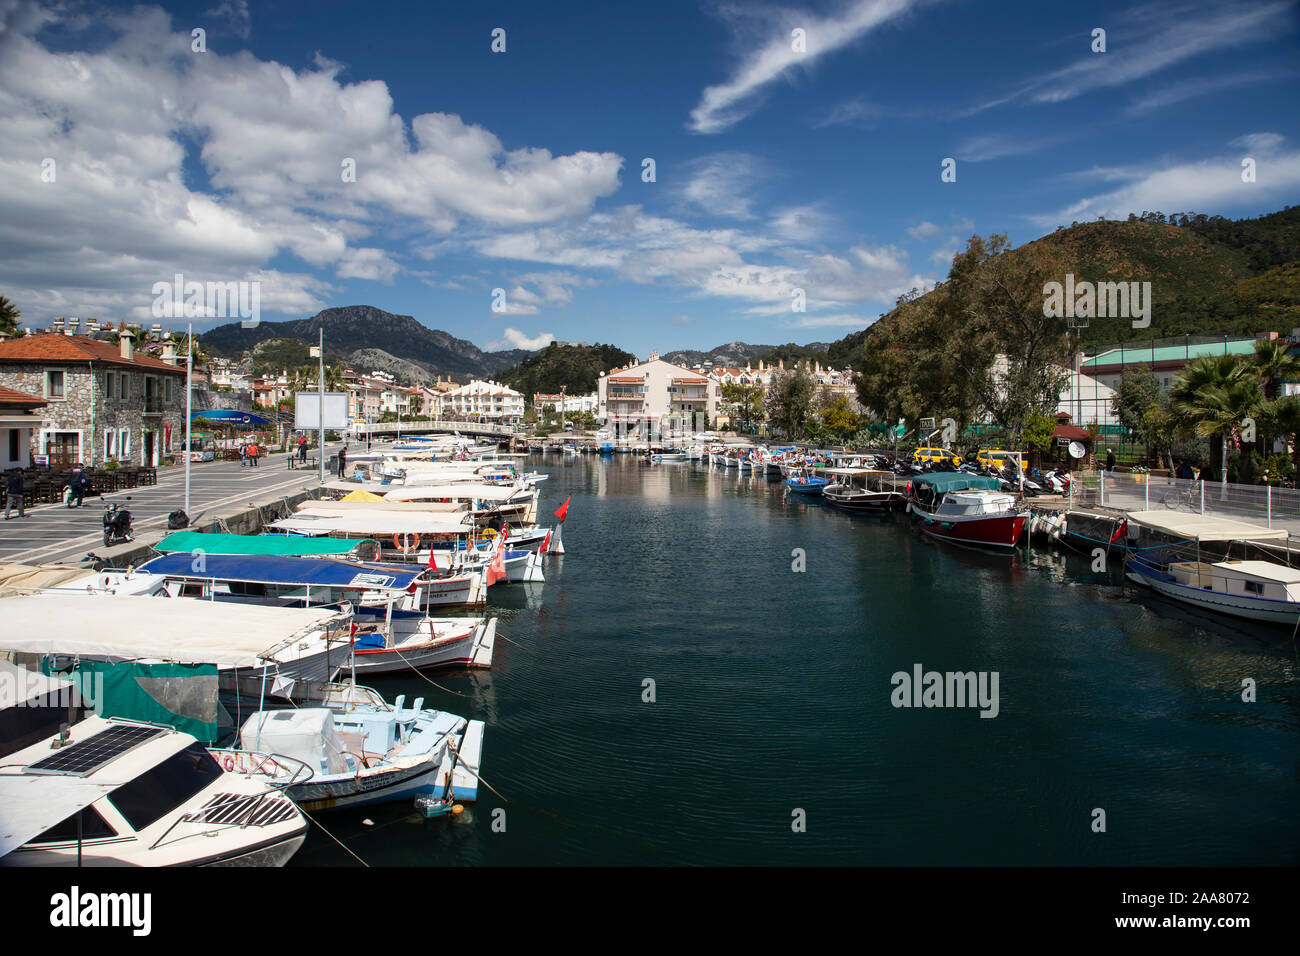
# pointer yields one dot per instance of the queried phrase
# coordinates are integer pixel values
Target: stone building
(102, 400)
(20, 419)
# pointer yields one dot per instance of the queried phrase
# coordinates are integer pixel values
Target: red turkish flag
(497, 569)
(564, 510)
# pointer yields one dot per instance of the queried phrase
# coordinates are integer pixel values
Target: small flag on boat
(545, 542)
(563, 511)
(1120, 532)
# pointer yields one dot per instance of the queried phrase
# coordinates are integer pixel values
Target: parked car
(998, 459)
(935, 456)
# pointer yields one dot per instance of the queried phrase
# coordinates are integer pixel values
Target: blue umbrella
(232, 416)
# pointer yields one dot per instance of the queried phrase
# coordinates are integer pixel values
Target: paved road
(56, 534)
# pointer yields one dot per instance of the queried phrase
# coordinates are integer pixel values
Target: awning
(284, 571)
(193, 542)
(21, 421)
(373, 523)
(1204, 527)
(462, 491)
(153, 628)
(942, 481)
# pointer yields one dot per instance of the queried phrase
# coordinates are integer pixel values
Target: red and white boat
(968, 509)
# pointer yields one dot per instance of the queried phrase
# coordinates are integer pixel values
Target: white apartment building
(657, 395)
(482, 401)
(572, 403)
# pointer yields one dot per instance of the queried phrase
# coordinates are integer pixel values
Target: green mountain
(574, 367)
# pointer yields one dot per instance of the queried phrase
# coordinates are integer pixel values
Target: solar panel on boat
(87, 756)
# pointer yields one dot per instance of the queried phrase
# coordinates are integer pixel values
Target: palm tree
(9, 316)
(1274, 364)
(1282, 418)
(1213, 397)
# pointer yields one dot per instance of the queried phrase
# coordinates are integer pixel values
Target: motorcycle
(117, 523)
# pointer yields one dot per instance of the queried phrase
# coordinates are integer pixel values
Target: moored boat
(968, 509)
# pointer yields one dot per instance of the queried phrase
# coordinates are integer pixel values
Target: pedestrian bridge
(393, 429)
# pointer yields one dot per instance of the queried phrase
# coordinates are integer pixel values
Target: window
(167, 390)
(13, 444)
(21, 727)
(110, 443)
(150, 796)
(110, 385)
(93, 827)
(124, 385)
(124, 443)
(1253, 587)
(54, 384)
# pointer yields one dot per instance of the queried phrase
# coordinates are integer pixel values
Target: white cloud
(514, 339)
(722, 184)
(1201, 86)
(855, 112)
(1213, 183)
(830, 321)
(773, 56)
(127, 123)
(1154, 37)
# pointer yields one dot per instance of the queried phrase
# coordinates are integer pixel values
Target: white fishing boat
(114, 792)
(863, 489)
(362, 751)
(1194, 566)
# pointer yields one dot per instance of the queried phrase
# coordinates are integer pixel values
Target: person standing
(243, 454)
(253, 452)
(343, 460)
(14, 493)
(1110, 459)
(302, 448)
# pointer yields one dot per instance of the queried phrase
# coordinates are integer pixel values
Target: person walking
(14, 493)
(78, 485)
(302, 448)
(1110, 459)
(343, 459)
(243, 455)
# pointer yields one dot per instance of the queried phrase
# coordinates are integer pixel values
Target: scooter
(117, 523)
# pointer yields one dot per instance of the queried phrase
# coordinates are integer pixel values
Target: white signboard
(306, 415)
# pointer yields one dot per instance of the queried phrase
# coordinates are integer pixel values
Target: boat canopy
(1205, 527)
(284, 571)
(942, 481)
(154, 628)
(192, 542)
(855, 471)
(479, 492)
(371, 522)
(25, 578)
(35, 802)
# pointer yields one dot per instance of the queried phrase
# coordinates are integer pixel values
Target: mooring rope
(333, 837)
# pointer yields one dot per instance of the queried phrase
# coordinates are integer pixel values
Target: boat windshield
(152, 795)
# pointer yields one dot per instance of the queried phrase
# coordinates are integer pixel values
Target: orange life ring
(406, 548)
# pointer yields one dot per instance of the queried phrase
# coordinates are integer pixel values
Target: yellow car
(935, 455)
(992, 458)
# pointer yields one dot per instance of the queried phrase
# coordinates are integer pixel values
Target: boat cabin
(1258, 579)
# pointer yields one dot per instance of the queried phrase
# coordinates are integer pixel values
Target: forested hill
(574, 367)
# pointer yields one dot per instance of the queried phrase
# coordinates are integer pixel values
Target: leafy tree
(789, 401)
(743, 403)
(1137, 391)
(839, 420)
(1211, 398)
(1037, 434)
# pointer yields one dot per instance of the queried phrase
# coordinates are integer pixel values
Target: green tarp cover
(183, 696)
(942, 481)
(277, 544)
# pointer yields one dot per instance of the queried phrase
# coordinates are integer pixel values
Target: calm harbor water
(773, 693)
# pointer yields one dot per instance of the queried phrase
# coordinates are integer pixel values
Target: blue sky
(777, 170)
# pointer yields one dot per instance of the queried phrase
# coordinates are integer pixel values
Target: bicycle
(1177, 499)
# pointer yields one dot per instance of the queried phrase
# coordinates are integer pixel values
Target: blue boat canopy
(942, 481)
(284, 571)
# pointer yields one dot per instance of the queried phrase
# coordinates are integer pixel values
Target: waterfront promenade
(53, 533)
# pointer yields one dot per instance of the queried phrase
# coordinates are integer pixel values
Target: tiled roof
(11, 396)
(75, 349)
